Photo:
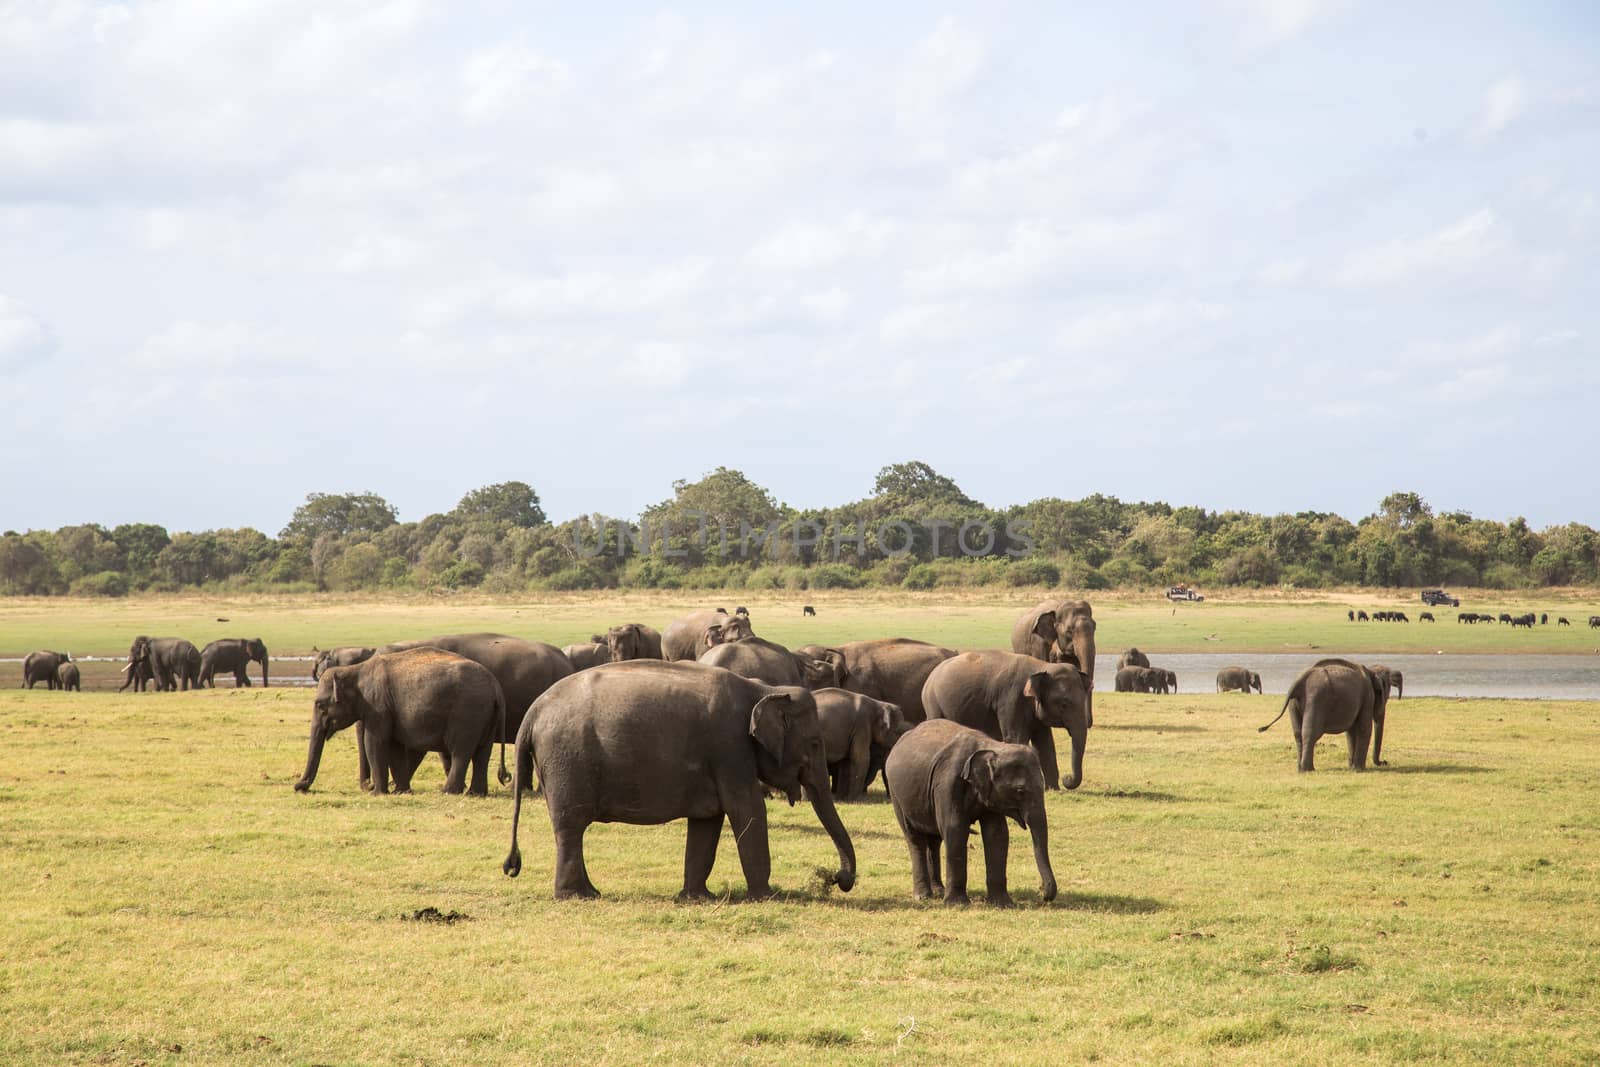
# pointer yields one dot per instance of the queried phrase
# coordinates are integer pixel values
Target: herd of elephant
(702, 720)
(160, 663)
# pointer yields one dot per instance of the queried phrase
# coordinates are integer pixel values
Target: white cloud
(829, 305)
(1276, 21)
(1282, 272)
(382, 253)
(1108, 328)
(653, 365)
(494, 80)
(924, 323)
(1503, 104)
(804, 246)
(23, 338)
(189, 345)
(1458, 245)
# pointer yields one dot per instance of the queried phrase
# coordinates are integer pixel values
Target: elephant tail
(1286, 702)
(520, 780)
(500, 698)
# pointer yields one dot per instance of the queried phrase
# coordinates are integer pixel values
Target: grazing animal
(1426, 616)
(67, 677)
(1132, 658)
(1544, 619)
(1352, 615)
(689, 636)
(1361, 616)
(741, 610)
(807, 610)
(1335, 696)
(1561, 620)
(42, 667)
(1594, 622)
(1238, 679)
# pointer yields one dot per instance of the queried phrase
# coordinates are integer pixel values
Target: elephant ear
(886, 716)
(836, 657)
(1045, 625)
(769, 721)
(333, 688)
(978, 772)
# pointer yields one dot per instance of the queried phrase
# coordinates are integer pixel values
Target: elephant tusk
(128, 668)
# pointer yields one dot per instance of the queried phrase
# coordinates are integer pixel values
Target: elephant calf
(1238, 679)
(68, 679)
(590, 654)
(944, 777)
(42, 667)
(1335, 696)
(231, 655)
(857, 735)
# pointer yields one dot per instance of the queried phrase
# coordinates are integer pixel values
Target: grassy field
(979, 619)
(169, 899)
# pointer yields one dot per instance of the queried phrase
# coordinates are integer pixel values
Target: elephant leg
(378, 762)
(241, 680)
(480, 769)
(1296, 720)
(924, 878)
(1044, 743)
(955, 864)
(931, 860)
(856, 765)
(1308, 747)
(455, 780)
(403, 764)
(699, 856)
(1358, 737)
(361, 752)
(572, 877)
(996, 846)
(750, 831)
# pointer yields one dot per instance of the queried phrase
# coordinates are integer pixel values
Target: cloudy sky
(1261, 254)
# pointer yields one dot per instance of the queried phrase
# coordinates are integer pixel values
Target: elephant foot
(956, 900)
(1380, 763)
(1001, 900)
(700, 895)
(302, 787)
(582, 892)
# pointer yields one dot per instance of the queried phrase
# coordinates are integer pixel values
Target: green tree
(141, 544)
(511, 503)
(338, 514)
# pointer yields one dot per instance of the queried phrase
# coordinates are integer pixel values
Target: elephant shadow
(1141, 794)
(1109, 903)
(1434, 768)
(1153, 728)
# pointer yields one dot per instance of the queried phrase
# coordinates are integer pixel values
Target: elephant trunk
(1377, 739)
(828, 815)
(1399, 687)
(319, 736)
(1075, 778)
(263, 669)
(1041, 849)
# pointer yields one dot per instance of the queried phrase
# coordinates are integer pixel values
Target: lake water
(1519, 677)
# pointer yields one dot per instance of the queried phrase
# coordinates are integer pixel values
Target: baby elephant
(67, 677)
(943, 777)
(857, 734)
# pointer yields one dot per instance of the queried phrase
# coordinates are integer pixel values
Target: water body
(1515, 677)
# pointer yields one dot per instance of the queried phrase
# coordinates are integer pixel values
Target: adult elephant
(524, 669)
(1058, 631)
(688, 637)
(590, 654)
(645, 742)
(1132, 658)
(233, 655)
(1335, 696)
(767, 661)
(41, 666)
(1238, 679)
(1131, 680)
(944, 777)
(139, 676)
(173, 662)
(347, 656)
(633, 640)
(67, 677)
(891, 669)
(409, 703)
(858, 733)
(1392, 680)
(1168, 680)
(1017, 699)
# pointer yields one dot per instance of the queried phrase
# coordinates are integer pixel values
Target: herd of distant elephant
(702, 720)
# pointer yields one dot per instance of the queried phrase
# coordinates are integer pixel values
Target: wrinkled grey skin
(67, 677)
(944, 777)
(853, 728)
(1238, 679)
(1057, 631)
(767, 661)
(408, 703)
(232, 655)
(892, 669)
(1391, 678)
(524, 669)
(1132, 658)
(348, 656)
(1335, 696)
(174, 662)
(633, 640)
(1017, 699)
(590, 654)
(690, 636)
(41, 667)
(646, 742)
(1158, 680)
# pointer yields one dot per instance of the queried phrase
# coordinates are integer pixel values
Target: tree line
(916, 529)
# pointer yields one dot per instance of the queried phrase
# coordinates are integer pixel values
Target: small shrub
(462, 574)
(1023, 572)
(105, 583)
(922, 576)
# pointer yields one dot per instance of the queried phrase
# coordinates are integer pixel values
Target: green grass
(971, 619)
(167, 898)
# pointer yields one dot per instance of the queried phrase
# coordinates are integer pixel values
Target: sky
(1272, 255)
